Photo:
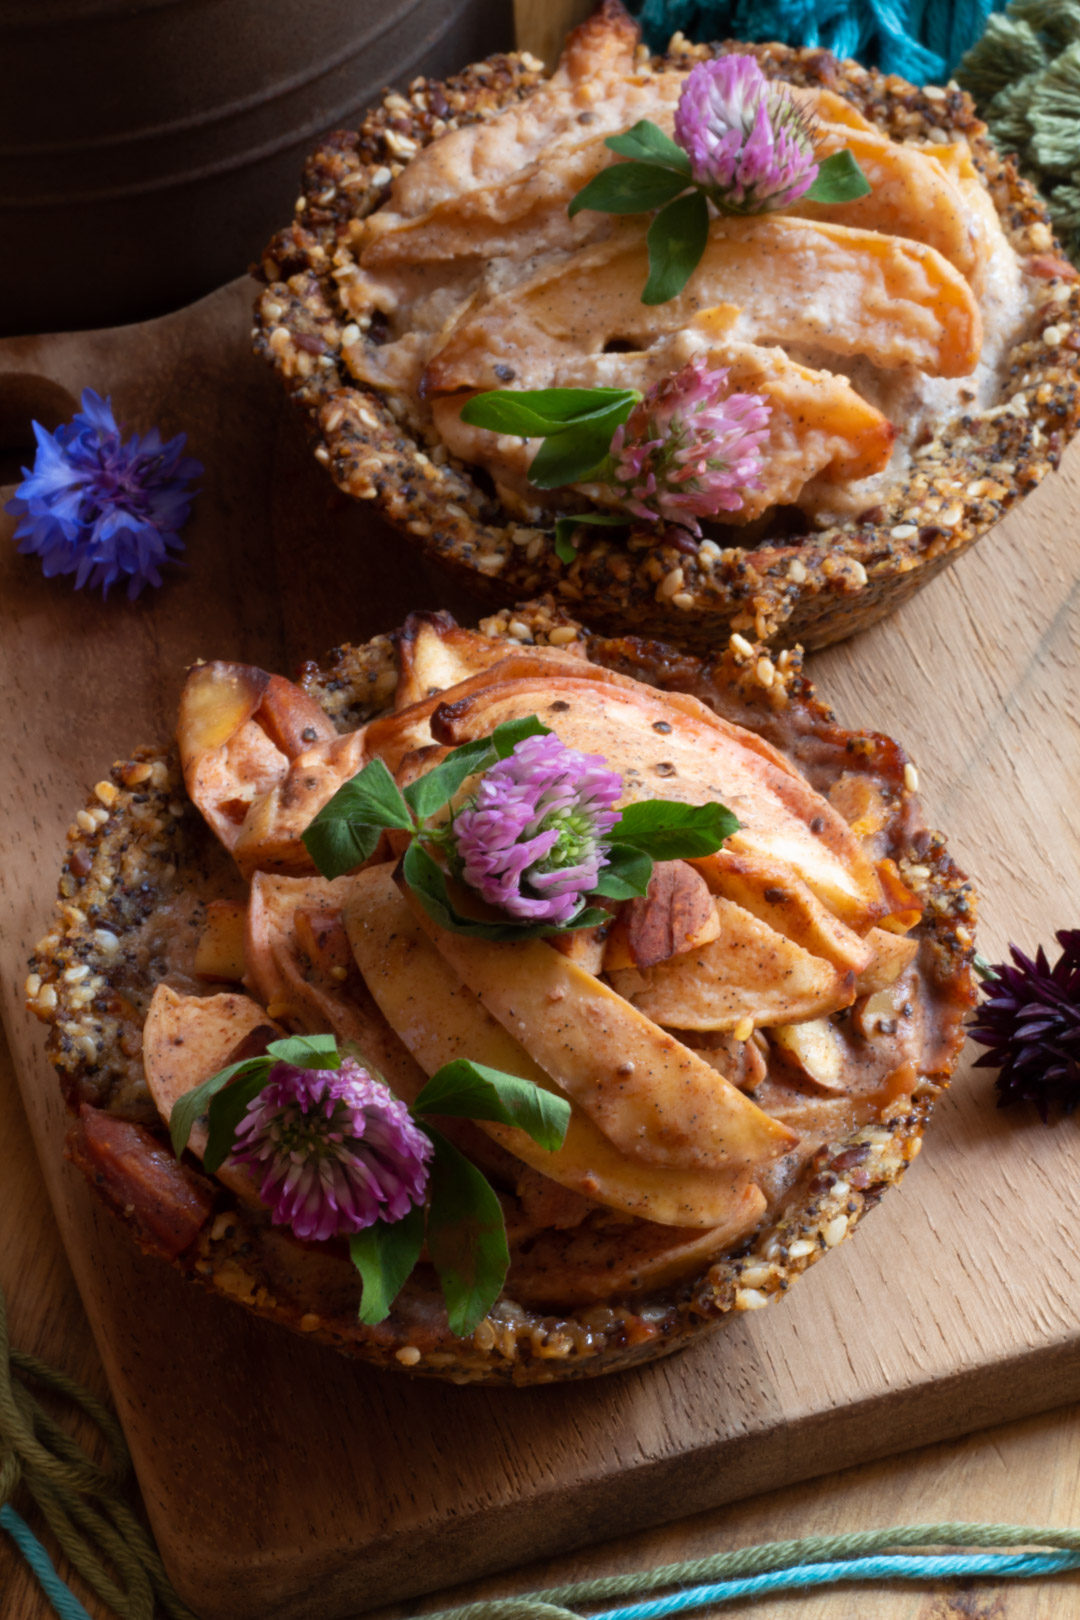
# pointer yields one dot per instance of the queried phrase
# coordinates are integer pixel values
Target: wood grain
(954, 1308)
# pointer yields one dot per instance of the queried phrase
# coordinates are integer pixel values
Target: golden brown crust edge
(137, 839)
(814, 589)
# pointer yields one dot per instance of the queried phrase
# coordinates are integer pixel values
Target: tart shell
(140, 862)
(816, 587)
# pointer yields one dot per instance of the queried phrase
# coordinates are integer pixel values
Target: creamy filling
(468, 260)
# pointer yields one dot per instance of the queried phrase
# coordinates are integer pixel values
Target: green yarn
(83, 1502)
(1024, 74)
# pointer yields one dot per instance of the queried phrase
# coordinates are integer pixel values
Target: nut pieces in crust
(323, 324)
(820, 1008)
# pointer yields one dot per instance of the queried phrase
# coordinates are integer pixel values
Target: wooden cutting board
(283, 1481)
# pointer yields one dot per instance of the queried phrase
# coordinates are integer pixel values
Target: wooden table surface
(1026, 1472)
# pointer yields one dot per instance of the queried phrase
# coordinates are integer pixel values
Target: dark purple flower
(333, 1150)
(750, 146)
(531, 841)
(101, 508)
(1030, 1023)
(689, 450)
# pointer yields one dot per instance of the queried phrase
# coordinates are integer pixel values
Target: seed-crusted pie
(916, 348)
(746, 1053)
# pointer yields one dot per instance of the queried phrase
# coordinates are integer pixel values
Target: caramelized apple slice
(304, 987)
(271, 837)
(893, 954)
(796, 281)
(439, 1020)
(672, 746)
(599, 1259)
(658, 1101)
(774, 894)
(220, 951)
(238, 730)
(749, 973)
(434, 654)
(186, 1039)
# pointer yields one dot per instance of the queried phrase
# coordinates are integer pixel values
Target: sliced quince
(749, 974)
(795, 281)
(294, 968)
(271, 836)
(671, 746)
(911, 195)
(439, 1020)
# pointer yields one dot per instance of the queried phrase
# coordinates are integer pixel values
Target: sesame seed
(72, 975)
(835, 1232)
(350, 334)
(46, 998)
(107, 793)
(277, 1009)
(32, 986)
(309, 1322)
(106, 941)
(743, 1029)
(904, 531)
(519, 631)
(86, 822)
(408, 1355)
(740, 645)
(911, 778)
(750, 1299)
(857, 572)
(800, 1249)
(1052, 336)
(670, 584)
(683, 600)
(765, 671)
(796, 571)
(562, 635)
(709, 552)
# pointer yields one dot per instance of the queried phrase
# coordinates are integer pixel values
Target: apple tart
(917, 349)
(747, 1053)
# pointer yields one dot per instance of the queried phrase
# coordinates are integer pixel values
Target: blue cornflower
(101, 508)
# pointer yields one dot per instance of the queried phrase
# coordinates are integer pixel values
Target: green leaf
(533, 413)
(226, 1111)
(505, 738)
(384, 1255)
(565, 526)
(347, 829)
(438, 786)
(188, 1108)
(570, 456)
(468, 1090)
(466, 1237)
(427, 880)
(306, 1051)
(676, 240)
(628, 188)
(839, 180)
(669, 831)
(648, 144)
(626, 875)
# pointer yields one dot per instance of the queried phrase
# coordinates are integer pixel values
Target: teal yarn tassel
(922, 40)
